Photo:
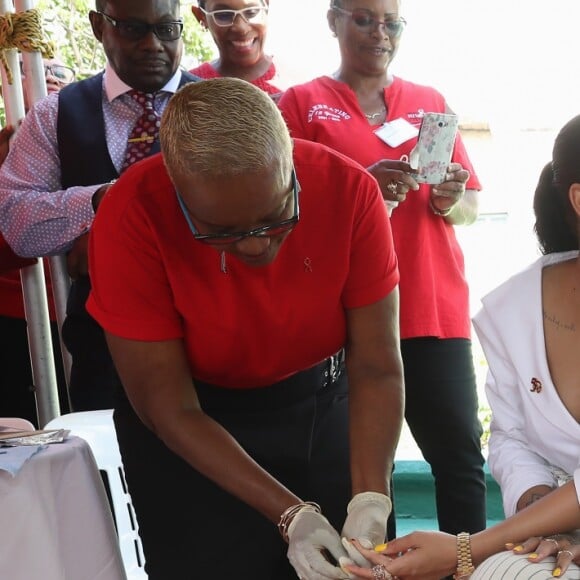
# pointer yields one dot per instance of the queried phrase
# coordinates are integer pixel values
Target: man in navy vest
(69, 148)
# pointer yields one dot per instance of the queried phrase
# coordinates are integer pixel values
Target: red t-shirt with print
(433, 288)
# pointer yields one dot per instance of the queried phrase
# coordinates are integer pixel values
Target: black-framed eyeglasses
(365, 21)
(251, 15)
(63, 74)
(136, 29)
(270, 231)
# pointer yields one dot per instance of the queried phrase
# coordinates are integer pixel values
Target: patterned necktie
(146, 129)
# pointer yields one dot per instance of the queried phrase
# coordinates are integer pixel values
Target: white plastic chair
(17, 423)
(98, 430)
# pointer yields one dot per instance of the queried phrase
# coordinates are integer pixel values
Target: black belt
(294, 388)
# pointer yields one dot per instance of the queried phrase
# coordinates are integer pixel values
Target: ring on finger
(554, 541)
(392, 188)
(566, 552)
(379, 572)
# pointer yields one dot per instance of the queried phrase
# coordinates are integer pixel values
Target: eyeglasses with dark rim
(251, 15)
(61, 73)
(136, 29)
(365, 21)
(270, 231)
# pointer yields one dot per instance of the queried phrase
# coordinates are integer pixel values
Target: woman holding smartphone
(347, 111)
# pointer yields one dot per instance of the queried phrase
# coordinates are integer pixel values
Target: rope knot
(22, 31)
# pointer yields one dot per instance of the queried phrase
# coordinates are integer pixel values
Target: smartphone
(431, 155)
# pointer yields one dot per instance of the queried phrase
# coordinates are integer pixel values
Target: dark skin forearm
(376, 395)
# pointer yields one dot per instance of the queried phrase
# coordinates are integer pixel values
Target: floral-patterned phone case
(432, 154)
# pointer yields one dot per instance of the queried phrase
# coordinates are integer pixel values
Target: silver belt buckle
(336, 365)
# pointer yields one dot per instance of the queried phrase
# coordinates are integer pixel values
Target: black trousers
(93, 380)
(296, 429)
(441, 411)
(17, 390)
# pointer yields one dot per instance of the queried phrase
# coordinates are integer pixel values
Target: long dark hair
(556, 224)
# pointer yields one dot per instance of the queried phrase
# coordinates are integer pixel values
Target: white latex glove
(309, 533)
(367, 522)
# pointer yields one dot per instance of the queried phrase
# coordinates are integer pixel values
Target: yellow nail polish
(557, 572)
(509, 546)
(381, 547)
(534, 555)
(518, 548)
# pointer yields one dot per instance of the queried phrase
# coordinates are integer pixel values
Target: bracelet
(440, 212)
(464, 562)
(289, 513)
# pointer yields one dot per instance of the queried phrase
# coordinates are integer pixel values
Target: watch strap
(464, 562)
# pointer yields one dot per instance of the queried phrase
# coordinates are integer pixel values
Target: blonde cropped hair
(224, 126)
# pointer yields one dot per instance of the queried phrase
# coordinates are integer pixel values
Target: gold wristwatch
(464, 563)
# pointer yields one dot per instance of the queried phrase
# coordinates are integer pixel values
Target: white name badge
(396, 132)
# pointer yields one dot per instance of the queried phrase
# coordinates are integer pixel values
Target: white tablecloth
(55, 521)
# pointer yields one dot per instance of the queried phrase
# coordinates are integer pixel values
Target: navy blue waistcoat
(85, 160)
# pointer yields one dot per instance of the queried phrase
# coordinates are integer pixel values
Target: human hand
(100, 193)
(445, 195)
(311, 539)
(367, 522)
(394, 179)
(565, 547)
(420, 555)
(5, 135)
(77, 259)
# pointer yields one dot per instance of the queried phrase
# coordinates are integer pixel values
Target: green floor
(415, 498)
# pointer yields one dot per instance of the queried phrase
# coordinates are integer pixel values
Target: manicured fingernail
(534, 555)
(557, 572)
(509, 546)
(381, 547)
(518, 548)
(435, 191)
(345, 564)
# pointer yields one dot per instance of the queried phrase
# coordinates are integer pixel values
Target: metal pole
(32, 277)
(12, 94)
(35, 80)
(40, 342)
(60, 289)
